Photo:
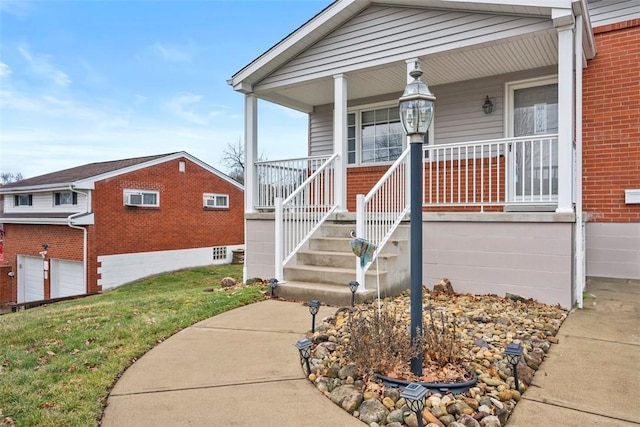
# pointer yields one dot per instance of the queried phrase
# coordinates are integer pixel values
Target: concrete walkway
(240, 368)
(592, 376)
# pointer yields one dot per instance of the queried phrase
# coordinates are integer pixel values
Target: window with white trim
(23, 200)
(375, 135)
(144, 198)
(65, 198)
(215, 201)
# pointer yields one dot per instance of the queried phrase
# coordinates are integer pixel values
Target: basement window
(219, 253)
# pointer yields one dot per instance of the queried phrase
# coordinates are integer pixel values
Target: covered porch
(503, 146)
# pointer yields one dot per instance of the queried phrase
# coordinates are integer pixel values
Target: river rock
(228, 282)
(372, 411)
(395, 416)
(468, 421)
(347, 397)
(347, 371)
(490, 421)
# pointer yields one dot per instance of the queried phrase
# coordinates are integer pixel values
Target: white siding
(613, 249)
(380, 35)
(43, 203)
(116, 270)
(604, 12)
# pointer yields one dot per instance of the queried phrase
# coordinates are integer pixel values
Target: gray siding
(383, 34)
(613, 249)
(458, 111)
(321, 131)
(604, 12)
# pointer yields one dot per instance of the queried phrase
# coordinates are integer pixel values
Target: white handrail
(380, 212)
(299, 215)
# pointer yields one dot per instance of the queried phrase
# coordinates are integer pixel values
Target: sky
(90, 81)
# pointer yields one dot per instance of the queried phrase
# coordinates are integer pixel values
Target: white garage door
(66, 278)
(30, 278)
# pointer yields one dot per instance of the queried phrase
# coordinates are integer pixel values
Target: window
(374, 136)
(215, 201)
(219, 253)
(141, 198)
(23, 200)
(65, 198)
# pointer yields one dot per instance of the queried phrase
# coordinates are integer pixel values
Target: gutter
(85, 232)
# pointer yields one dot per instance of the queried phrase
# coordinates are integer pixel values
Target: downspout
(84, 229)
(580, 267)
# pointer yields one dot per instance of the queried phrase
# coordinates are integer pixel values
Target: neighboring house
(98, 226)
(532, 163)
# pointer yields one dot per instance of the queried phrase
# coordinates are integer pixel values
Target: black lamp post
(414, 395)
(513, 352)
(416, 113)
(304, 347)
(314, 306)
(273, 284)
(353, 287)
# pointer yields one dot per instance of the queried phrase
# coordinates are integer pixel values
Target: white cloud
(40, 65)
(173, 53)
(49, 106)
(185, 106)
(5, 70)
(17, 8)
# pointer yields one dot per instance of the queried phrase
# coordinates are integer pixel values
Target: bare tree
(233, 159)
(7, 177)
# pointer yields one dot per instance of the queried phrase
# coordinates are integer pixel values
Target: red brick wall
(22, 239)
(180, 222)
(611, 124)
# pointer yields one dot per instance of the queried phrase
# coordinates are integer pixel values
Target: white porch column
(565, 118)
(340, 141)
(250, 151)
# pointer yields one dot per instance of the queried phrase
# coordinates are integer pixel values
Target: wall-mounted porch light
(487, 107)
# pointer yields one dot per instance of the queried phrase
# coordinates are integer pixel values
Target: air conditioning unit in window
(210, 203)
(134, 199)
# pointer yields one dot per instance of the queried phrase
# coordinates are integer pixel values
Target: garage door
(66, 278)
(30, 278)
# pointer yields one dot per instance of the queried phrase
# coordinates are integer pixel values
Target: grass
(59, 362)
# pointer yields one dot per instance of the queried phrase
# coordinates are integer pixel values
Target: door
(67, 278)
(30, 278)
(534, 159)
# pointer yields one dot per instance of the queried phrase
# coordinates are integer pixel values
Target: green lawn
(58, 362)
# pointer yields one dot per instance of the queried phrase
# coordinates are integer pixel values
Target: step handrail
(379, 213)
(299, 215)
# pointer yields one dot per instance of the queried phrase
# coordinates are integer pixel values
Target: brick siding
(611, 124)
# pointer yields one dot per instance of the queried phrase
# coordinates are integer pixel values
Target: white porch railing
(303, 211)
(280, 178)
(380, 212)
(521, 170)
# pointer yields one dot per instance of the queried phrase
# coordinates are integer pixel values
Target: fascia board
(36, 188)
(35, 220)
(316, 23)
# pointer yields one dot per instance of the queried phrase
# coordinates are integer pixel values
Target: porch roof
(490, 54)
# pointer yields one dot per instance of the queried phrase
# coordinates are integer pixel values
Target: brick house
(100, 225)
(531, 163)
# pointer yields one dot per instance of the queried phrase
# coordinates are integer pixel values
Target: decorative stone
(389, 403)
(372, 411)
(490, 421)
(347, 371)
(443, 286)
(347, 396)
(395, 416)
(227, 282)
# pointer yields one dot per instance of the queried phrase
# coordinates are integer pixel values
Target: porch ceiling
(532, 51)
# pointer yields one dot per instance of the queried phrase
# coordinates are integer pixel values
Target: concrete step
(330, 275)
(340, 259)
(330, 294)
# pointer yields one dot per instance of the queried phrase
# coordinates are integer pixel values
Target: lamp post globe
(416, 114)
